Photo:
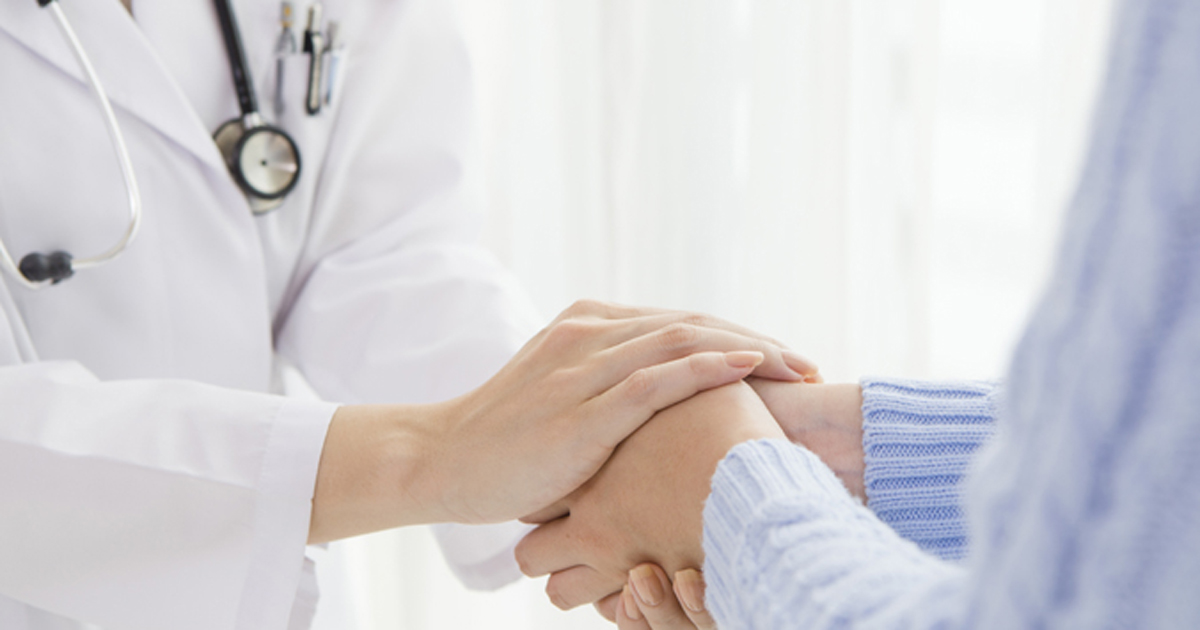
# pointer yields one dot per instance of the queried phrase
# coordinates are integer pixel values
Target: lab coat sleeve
(189, 500)
(395, 299)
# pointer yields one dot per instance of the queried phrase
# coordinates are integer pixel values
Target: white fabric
(149, 481)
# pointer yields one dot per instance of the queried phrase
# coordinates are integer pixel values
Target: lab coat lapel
(133, 76)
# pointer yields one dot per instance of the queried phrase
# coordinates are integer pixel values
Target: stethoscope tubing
(234, 137)
(236, 52)
(119, 146)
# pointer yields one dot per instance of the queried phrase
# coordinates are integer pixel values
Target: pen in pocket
(314, 46)
(333, 50)
(284, 46)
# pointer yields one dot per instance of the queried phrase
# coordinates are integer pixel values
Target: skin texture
(825, 418)
(538, 429)
(645, 504)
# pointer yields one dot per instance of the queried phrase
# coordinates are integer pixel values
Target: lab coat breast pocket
(287, 105)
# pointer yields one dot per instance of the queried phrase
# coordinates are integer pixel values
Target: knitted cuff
(919, 440)
(745, 485)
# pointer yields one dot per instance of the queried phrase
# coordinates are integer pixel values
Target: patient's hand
(646, 503)
(825, 419)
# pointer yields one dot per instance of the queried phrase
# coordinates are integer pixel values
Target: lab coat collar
(133, 76)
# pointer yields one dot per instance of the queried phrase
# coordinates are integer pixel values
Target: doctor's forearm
(368, 471)
(538, 429)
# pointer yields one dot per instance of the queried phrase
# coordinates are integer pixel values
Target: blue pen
(334, 49)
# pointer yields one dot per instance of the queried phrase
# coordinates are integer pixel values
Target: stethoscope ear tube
(37, 270)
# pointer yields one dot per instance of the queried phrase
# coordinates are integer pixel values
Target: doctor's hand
(538, 429)
(646, 504)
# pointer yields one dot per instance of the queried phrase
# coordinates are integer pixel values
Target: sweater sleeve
(786, 546)
(919, 439)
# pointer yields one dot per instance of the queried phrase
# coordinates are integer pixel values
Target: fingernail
(744, 359)
(631, 608)
(798, 363)
(689, 586)
(646, 586)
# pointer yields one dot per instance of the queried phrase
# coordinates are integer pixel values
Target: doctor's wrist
(373, 467)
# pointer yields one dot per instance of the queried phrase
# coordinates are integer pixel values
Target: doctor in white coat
(151, 477)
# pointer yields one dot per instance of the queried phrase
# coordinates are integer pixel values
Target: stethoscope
(263, 159)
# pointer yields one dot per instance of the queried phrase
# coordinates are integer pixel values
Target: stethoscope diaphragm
(263, 159)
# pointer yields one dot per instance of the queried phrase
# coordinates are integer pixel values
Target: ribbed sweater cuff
(746, 490)
(919, 440)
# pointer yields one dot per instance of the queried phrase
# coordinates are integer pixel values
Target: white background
(876, 182)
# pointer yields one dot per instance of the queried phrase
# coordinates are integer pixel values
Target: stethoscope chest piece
(263, 159)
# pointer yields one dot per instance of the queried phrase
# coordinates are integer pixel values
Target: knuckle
(702, 364)
(679, 336)
(568, 332)
(554, 592)
(584, 307)
(699, 320)
(523, 560)
(641, 384)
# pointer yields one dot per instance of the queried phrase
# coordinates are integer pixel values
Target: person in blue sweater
(1082, 511)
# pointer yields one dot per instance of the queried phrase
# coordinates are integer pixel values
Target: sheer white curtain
(877, 183)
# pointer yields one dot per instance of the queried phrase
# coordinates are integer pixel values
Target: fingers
(607, 607)
(689, 590)
(628, 615)
(541, 551)
(625, 407)
(579, 585)
(672, 334)
(658, 340)
(653, 600)
(551, 512)
(622, 608)
(651, 321)
(608, 310)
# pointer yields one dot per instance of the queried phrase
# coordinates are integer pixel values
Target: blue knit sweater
(1084, 509)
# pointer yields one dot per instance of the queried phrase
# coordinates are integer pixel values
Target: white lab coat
(148, 477)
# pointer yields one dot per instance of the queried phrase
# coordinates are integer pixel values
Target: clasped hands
(538, 429)
(556, 422)
(617, 538)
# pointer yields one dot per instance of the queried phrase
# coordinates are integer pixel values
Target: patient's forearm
(826, 419)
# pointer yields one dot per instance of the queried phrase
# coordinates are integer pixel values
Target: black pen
(314, 45)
